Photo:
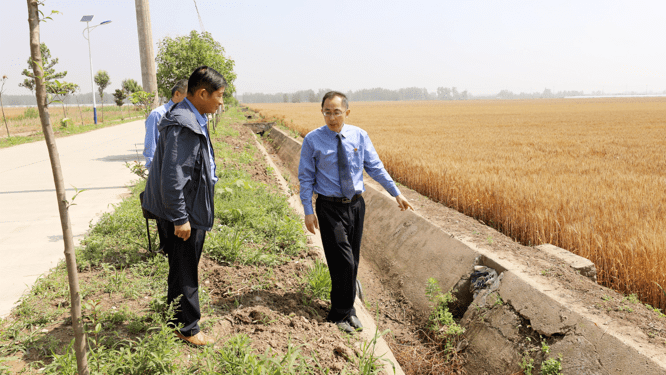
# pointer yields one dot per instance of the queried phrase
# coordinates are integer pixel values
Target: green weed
(527, 364)
(318, 281)
(552, 366)
(367, 362)
(632, 298)
(441, 321)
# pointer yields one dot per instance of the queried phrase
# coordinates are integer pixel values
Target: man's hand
(183, 231)
(402, 203)
(311, 223)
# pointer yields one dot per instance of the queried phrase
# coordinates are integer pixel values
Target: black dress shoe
(355, 322)
(345, 327)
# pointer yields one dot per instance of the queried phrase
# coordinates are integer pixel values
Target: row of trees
(545, 94)
(408, 93)
(63, 92)
(176, 59)
(375, 94)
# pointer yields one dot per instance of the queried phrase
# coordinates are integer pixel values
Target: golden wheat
(587, 175)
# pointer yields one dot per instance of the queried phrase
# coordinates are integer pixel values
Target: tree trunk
(102, 112)
(79, 105)
(147, 53)
(70, 255)
(3, 116)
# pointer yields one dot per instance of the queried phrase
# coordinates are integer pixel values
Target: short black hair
(180, 86)
(205, 77)
(333, 94)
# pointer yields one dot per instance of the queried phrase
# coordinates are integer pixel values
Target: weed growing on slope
(251, 214)
(441, 319)
(318, 281)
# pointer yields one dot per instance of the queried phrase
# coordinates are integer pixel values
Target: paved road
(30, 232)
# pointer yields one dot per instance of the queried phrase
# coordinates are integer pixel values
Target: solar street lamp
(87, 20)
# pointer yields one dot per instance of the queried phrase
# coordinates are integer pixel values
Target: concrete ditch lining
(413, 249)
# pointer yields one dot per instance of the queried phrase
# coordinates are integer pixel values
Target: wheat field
(587, 175)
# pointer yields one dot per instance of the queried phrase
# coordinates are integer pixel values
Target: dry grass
(19, 124)
(587, 175)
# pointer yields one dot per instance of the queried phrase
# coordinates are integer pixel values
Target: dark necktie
(346, 182)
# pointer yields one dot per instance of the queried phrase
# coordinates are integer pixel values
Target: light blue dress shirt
(318, 168)
(152, 134)
(203, 122)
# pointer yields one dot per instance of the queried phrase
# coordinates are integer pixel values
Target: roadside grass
(123, 292)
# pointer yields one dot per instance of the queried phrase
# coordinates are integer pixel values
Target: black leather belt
(340, 200)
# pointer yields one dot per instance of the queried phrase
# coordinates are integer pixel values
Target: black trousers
(183, 280)
(341, 228)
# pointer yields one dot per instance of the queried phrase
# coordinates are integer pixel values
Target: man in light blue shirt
(178, 92)
(333, 158)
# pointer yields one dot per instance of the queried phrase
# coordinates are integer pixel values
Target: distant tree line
(545, 94)
(414, 93)
(375, 94)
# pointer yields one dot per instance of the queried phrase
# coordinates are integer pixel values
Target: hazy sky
(289, 45)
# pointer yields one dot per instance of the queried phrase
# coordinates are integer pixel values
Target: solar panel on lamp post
(87, 20)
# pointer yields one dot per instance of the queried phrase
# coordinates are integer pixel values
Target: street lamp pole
(87, 20)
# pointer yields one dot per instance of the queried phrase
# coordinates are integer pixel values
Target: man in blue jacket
(180, 192)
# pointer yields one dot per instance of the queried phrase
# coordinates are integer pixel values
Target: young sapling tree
(103, 81)
(61, 194)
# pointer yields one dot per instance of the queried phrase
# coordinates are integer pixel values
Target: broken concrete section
(582, 265)
(259, 127)
(518, 324)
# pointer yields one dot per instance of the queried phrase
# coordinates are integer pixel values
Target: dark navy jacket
(180, 187)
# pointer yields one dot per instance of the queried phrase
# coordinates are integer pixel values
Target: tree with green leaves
(120, 96)
(103, 81)
(61, 90)
(178, 57)
(144, 100)
(130, 86)
(35, 16)
(50, 74)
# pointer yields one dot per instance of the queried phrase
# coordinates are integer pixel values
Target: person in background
(333, 158)
(180, 191)
(178, 92)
